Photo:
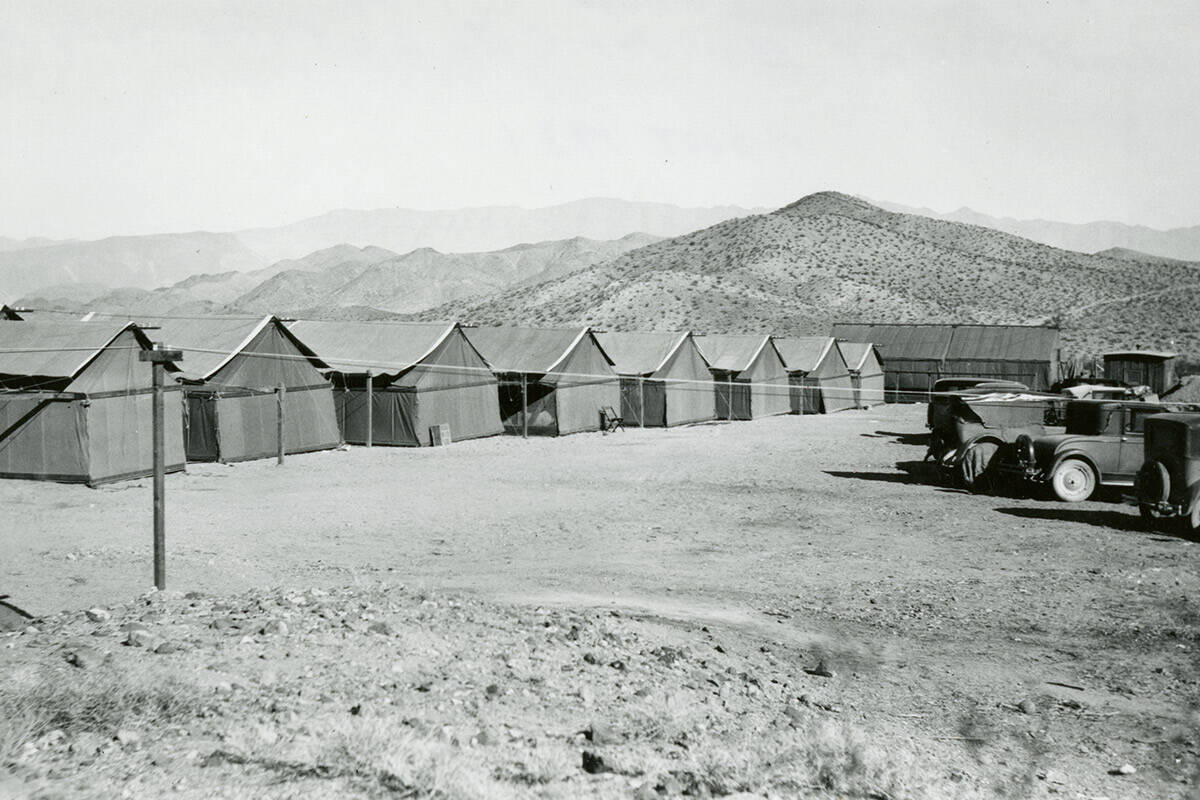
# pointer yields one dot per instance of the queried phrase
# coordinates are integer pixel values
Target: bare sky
(144, 117)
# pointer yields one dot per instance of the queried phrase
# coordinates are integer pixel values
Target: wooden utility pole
(158, 357)
(280, 391)
(370, 408)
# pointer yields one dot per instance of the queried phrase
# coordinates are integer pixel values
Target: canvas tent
(396, 382)
(665, 380)
(749, 377)
(916, 355)
(553, 381)
(231, 371)
(866, 372)
(76, 404)
(820, 380)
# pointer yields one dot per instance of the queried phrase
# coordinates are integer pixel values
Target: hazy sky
(142, 117)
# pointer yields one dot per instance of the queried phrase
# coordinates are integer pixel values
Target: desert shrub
(100, 700)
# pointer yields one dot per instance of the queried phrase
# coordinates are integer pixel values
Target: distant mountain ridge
(1182, 244)
(161, 260)
(830, 256)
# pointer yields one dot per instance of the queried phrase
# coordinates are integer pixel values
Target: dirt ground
(1037, 647)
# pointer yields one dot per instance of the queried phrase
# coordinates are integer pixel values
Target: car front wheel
(1073, 480)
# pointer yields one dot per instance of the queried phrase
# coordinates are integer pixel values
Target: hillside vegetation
(833, 257)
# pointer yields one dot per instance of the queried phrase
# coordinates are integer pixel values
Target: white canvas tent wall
(76, 404)
(231, 369)
(866, 372)
(411, 377)
(821, 382)
(749, 377)
(553, 381)
(665, 380)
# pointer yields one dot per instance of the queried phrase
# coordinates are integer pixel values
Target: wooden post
(280, 391)
(370, 408)
(729, 411)
(524, 406)
(157, 357)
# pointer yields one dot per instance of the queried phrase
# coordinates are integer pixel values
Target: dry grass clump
(34, 702)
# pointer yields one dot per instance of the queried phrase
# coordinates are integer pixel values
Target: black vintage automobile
(1102, 446)
(1168, 484)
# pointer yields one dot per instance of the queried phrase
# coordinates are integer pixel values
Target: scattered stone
(1027, 706)
(128, 738)
(646, 792)
(602, 733)
(83, 657)
(485, 737)
(275, 627)
(140, 637)
(1124, 769)
(618, 665)
(795, 715)
(98, 614)
(223, 623)
(356, 709)
(591, 658)
(166, 648)
(821, 670)
(593, 764)
(380, 627)
(493, 690)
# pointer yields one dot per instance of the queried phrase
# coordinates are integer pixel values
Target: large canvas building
(749, 376)
(76, 404)
(665, 380)
(916, 355)
(396, 382)
(553, 381)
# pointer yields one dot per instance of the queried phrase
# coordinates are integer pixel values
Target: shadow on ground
(916, 439)
(1117, 520)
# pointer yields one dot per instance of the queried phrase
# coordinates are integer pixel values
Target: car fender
(1079, 454)
(980, 439)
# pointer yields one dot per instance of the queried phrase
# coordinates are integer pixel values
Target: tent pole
(642, 392)
(370, 408)
(524, 406)
(729, 410)
(279, 392)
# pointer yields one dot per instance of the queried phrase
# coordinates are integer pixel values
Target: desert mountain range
(826, 257)
(830, 256)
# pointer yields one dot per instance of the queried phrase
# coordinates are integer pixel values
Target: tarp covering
(234, 366)
(821, 382)
(91, 422)
(425, 376)
(916, 355)
(665, 380)
(567, 377)
(749, 378)
(866, 372)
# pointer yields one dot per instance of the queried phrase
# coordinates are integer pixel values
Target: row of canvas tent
(75, 398)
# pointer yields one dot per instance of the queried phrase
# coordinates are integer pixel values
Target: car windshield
(1087, 419)
(1135, 418)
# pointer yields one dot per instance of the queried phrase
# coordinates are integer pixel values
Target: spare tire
(1153, 483)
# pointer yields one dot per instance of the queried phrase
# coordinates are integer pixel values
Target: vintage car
(1168, 484)
(973, 428)
(1102, 446)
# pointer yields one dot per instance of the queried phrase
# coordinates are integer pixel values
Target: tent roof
(934, 342)
(856, 353)
(731, 353)
(531, 350)
(1153, 354)
(803, 353)
(1003, 342)
(640, 353)
(353, 347)
(55, 349)
(209, 343)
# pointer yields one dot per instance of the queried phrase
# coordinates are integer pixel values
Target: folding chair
(610, 420)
